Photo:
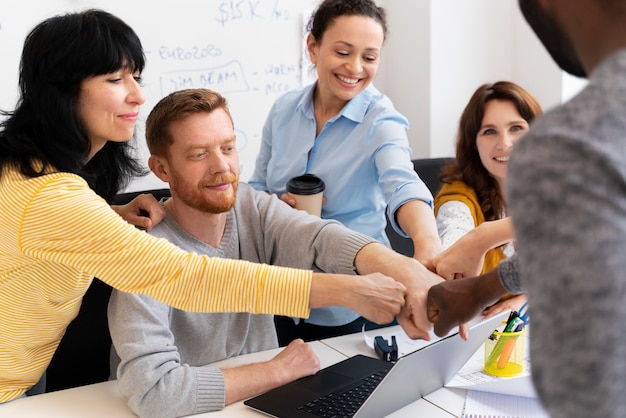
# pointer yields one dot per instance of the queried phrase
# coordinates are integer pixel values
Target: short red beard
(193, 196)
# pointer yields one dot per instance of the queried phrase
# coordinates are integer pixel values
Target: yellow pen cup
(504, 353)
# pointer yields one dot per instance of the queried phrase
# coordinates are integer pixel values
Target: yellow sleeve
(68, 224)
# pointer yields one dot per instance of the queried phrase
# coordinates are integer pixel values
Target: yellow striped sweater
(56, 234)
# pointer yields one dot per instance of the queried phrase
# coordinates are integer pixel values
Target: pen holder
(504, 353)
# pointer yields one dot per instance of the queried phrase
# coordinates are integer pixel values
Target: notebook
(480, 404)
(363, 386)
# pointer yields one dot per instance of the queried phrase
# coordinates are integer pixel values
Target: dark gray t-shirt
(567, 197)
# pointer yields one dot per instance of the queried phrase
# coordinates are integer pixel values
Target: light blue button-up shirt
(362, 154)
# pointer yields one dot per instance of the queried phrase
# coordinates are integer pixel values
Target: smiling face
(108, 107)
(347, 57)
(501, 127)
(202, 165)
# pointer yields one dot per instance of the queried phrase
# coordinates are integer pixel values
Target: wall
(250, 51)
(437, 53)
(440, 51)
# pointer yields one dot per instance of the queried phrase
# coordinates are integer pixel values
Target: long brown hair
(467, 166)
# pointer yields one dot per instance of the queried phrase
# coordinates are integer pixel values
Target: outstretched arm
(417, 279)
(455, 302)
(465, 257)
(417, 220)
(373, 295)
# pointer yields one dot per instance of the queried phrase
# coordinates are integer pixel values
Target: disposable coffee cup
(308, 190)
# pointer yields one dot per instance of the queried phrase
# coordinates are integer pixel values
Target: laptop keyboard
(346, 401)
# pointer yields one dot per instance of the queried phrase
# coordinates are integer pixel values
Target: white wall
(405, 71)
(469, 47)
(439, 51)
(250, 51)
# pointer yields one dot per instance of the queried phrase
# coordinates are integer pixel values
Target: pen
(512, 315)
(512, 325)
(523, 312)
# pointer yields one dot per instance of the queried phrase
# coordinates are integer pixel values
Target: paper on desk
(473, 377)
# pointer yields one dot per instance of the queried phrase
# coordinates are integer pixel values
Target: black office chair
(428, 169)
(123, 198)
(83, 354)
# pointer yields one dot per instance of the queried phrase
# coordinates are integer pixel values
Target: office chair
(428, 169)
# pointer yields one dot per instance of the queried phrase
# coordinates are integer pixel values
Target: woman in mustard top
(470, 208)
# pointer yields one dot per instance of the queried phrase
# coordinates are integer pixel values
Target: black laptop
(363, 386)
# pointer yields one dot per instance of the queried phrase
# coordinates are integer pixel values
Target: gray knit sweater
(567, 196)
(164, 351)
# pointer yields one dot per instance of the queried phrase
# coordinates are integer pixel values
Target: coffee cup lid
(306, 184)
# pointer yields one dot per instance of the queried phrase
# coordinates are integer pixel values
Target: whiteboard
(250, 51)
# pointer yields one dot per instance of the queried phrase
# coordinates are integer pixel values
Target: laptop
(380, 387)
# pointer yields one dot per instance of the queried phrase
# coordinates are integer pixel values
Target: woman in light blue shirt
(345, 131)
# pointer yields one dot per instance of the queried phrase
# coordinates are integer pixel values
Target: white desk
(104, 400)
